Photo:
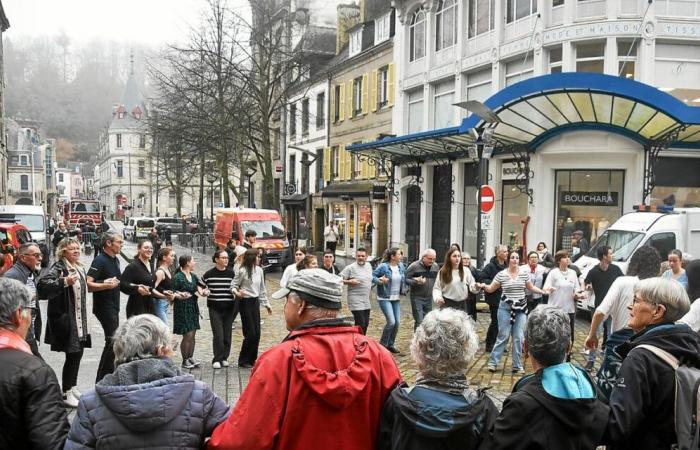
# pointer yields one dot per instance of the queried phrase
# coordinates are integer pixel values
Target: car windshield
(144, 224)
(89, 207)
(3, 236)
(623, 243)
(265, 229)
(31, 221)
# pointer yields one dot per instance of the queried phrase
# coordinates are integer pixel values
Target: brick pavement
(229, 383)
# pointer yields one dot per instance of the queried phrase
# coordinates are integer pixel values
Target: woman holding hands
(186, 309)
(453, 283)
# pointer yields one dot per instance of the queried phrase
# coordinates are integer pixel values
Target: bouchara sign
(578, 198)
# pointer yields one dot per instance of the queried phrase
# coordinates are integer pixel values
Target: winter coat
(322, 388)
(61, 325)
(555, 408)
(31, 406)
(642, 406)
(427, 417)
(384, 270)
(146, 404)
(486, 276)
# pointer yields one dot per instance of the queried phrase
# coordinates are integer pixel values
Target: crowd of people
(328, 384)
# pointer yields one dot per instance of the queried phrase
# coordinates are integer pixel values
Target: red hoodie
(323, 387)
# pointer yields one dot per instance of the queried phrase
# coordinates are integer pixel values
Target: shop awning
(347, 189)
(298, 199)
(539, 108)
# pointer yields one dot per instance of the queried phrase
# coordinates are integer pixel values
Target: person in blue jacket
(390, 277)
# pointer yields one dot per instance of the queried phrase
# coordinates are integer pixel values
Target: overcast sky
(151, 22)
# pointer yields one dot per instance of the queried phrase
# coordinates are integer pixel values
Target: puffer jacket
(146, 404)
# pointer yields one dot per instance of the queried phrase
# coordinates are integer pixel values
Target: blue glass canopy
(539, 108)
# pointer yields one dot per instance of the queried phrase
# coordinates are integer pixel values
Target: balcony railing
(556, 16)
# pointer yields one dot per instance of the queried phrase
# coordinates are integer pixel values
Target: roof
(131, 102)
(535, 110)
(318, 39)
(4, 22)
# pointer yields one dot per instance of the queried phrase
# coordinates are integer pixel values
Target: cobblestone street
(229, 383)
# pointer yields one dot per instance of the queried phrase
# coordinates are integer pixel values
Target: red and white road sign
(488, 198)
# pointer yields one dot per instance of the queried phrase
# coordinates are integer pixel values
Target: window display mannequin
(566, 233)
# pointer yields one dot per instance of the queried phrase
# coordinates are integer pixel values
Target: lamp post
(482, 139)
(211, 178)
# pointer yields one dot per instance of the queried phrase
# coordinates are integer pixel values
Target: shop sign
(511, 171)
(582, 198)
(592, 30)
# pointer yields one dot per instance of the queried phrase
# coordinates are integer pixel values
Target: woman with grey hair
(441, 410)
(148, 402)
(642, 408)
(557, 406)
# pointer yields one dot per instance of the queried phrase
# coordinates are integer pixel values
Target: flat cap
(316, 286)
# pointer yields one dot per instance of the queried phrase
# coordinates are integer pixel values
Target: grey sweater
(418, 269)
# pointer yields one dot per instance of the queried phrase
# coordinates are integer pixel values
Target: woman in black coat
(137, 281)
(67, 328)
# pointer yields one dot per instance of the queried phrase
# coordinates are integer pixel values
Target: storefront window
(513, 215)
(586, 200)
(366, 227)
(338, 210)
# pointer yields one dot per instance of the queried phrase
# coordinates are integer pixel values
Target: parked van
(32, 217)
(232, 223)
(138, 227)
(663, 228)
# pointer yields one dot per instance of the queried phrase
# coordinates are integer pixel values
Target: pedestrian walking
(186, 309)
(358, 278)
(103, 281)
(642, 408)
(149, 402)
(644, 263)
(676, 270)
(453, 282)
(67, 324)
(163, 289)
(497, 264)
(556, 407)
(545, 257)
(441, 410)
(472, 296)
(512, 310)
(137, 281)
(249, 287)
(222, 306)
(420, 278)
(537, 273)
(58, 235)
(581, 246)
(33, 414)
(331, 236)
(329, 263)
(26, 271)
(291, 269)
(231, 250)
(157, 242)
(323, 387)
(390, 277)
(692, 318)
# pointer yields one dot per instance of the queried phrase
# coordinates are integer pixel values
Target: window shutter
(342, 102)
(348, 164)
(341, 162)
(327, 164)
(373, 84)
(390, 84)
(371, 170)
(331, 113)
(363, 168)
(365, 93)
(350, 100)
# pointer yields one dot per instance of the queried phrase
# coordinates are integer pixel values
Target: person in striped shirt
(222, 305)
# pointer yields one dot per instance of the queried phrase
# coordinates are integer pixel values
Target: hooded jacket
(146, 404)
(555, 408)
(642, 403)
(487, 275)
(323, 387)
(424, 418)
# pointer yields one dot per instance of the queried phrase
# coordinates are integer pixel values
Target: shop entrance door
(442, 210)
(413, 195)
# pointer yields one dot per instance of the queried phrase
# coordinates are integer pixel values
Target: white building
(555, 153)
(63, 183)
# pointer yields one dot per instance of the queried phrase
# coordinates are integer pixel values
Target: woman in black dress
(137, 281)
(186, 308)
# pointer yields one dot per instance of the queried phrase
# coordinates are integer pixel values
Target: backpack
(687, 394)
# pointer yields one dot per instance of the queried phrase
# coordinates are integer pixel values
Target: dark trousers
(34, 333)
(456, 304)
(361, 319)
(249, 309)
(572, 322)
(110, 323)
(471, 306)
(492, 332)
(331, 246)
(221, 318)
(69, 377)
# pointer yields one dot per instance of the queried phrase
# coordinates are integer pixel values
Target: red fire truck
(77, 212)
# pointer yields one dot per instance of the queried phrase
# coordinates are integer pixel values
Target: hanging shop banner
(582, 198)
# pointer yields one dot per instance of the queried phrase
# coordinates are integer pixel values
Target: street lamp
(482, 139)
(211, 178)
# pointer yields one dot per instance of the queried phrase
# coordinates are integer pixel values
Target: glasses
(35, 255)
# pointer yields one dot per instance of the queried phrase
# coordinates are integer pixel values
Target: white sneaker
(224, 363)
(76, 393)
(70, 400)
(194, 362)
(216, 365)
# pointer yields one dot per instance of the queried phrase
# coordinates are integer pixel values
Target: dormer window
(121, 112)
(382, 28)
(356, 42)
(136, 112)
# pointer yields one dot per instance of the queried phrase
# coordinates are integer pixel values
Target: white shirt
(566, 285)
(331, 233)
(619, 297)
(289, 272)
(692, 317)
(536, 277)
(457, 290)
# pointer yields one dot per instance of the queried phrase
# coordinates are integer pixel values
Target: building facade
(455, 51)
(4, 25)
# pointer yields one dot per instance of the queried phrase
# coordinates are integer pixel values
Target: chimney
(348, 17)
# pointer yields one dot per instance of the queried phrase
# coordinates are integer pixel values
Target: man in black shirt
(103, 281)
(599, 279)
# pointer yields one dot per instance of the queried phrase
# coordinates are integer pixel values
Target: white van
(665, 229)
(32, 217)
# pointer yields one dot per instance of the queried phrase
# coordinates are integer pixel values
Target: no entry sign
(488, 198)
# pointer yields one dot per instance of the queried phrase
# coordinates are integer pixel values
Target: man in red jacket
(322, 387)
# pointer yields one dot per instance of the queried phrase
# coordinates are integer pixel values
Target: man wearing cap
(322, 387)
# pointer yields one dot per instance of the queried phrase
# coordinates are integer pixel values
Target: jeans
(249, 309)
(392, 313)
(221, 318)
(160, 306)
(505, 329)
(361, 319)
(110, 322)
(420, 306)
(492, 332)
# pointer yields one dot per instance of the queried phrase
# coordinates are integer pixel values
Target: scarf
(79, 291)
(12, 340)
(451, 384)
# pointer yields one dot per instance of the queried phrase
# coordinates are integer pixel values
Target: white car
(138, 227)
